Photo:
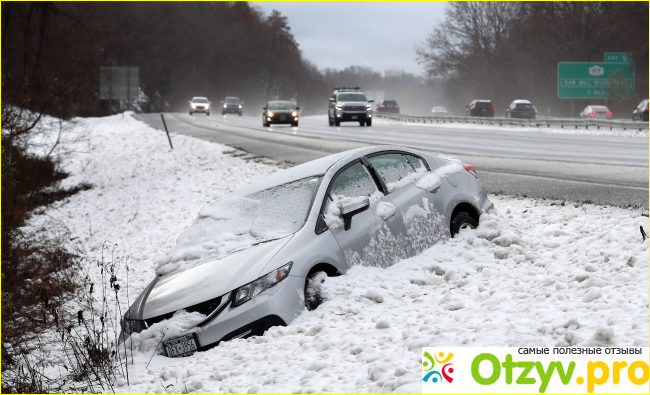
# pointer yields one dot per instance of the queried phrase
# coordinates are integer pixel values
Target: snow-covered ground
(591, 131)
(534, 273)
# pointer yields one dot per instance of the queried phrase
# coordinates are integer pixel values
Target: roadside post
(165, 125)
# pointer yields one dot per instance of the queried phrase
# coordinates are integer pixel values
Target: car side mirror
(353, 207)
(371, 101)
(263, 108)
(241, 103)
(190, 101)
(209, 102)
(222, 102)
(332, 100)
(297, 108)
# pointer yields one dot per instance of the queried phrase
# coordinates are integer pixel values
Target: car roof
(316, 167)
(281, 101)
(199, 97)
(522, 102)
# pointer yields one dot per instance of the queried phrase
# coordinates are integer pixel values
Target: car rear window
(524, 106)
(390, 102)
(483, 104)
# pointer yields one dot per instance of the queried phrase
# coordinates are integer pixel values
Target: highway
(574, 167)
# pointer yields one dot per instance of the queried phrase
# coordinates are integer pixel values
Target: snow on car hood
(239, 222)
(212, 279)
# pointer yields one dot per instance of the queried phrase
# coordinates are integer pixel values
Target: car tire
(330, 121)
(294, 124)
(462, 221)
(313, 290)
(223, 113)
(191, 112)
(240, 113)
(369, 122)
(361, 123)
(207, 114)
(337, 123)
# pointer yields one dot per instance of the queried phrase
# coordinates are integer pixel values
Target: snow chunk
(593, 294)
(382, 324)
(374, 295)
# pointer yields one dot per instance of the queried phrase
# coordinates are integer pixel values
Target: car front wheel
(313, 290)
(462, 221)
(369, 122)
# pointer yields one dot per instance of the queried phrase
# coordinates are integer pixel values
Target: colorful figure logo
(434, 376)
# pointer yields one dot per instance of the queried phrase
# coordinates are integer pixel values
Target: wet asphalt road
(577, 168)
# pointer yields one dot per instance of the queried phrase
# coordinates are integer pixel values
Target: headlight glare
(269, 114)
(249, 291)
(294, 114)
(225, 106)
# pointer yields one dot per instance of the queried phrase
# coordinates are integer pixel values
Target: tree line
(52, 53)
(510, 50)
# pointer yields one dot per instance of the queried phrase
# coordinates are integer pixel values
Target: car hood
(212, 279)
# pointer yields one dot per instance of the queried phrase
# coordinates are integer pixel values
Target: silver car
(596, 112)
(256, 258)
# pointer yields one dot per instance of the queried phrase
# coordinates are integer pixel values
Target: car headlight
(239, 106)
(225, 106)
(269, 114)
(193, 105)
(249, 291)
(339, 107)
(294, 114)
(207, 106)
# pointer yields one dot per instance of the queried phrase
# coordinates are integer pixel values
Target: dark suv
(389, 106)
(232, 105)
(480, 108)
(349, 105)
(521, 109)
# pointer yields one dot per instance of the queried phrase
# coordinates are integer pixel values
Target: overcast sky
(377, 34)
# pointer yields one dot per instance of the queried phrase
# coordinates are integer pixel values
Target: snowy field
(534, 273)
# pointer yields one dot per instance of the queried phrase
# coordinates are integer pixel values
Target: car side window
(392, 168)
(416, 163)
(352, 182)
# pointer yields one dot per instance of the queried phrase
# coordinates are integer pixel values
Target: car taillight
(646, 108)
(396, 106)
(492, 109)
(475, 109)
(382, 106)
(593, 113)
(608, 113)
(471, 169)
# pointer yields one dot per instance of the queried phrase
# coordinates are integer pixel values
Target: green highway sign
(589, 80)
(618, 57)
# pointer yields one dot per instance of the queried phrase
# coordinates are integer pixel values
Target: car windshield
(199, 100)
(240, 222)
(232, 100)
(352, 97)
(483, 104)
(280, 105)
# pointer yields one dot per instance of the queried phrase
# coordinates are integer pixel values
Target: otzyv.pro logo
(536, 370)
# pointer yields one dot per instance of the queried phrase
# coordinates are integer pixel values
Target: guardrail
(558, 122)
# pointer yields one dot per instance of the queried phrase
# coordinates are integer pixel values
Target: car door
(422, 210)
(376, 234)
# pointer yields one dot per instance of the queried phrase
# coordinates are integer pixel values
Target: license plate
(183, 346)
(283, 118)
(354, 117)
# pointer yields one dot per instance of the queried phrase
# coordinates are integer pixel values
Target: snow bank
(533, 273)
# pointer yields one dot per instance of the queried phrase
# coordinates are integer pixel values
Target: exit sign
(618, 57)
(586, 80)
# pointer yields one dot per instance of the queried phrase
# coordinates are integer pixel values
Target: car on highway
(388, 106)
(521, 109)
(595, 112)
(278, 111)
(349, 105)
(640, 113)
(256, 258)
(480, 108)
(232, 105)
(439, 111)
(200, 104)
